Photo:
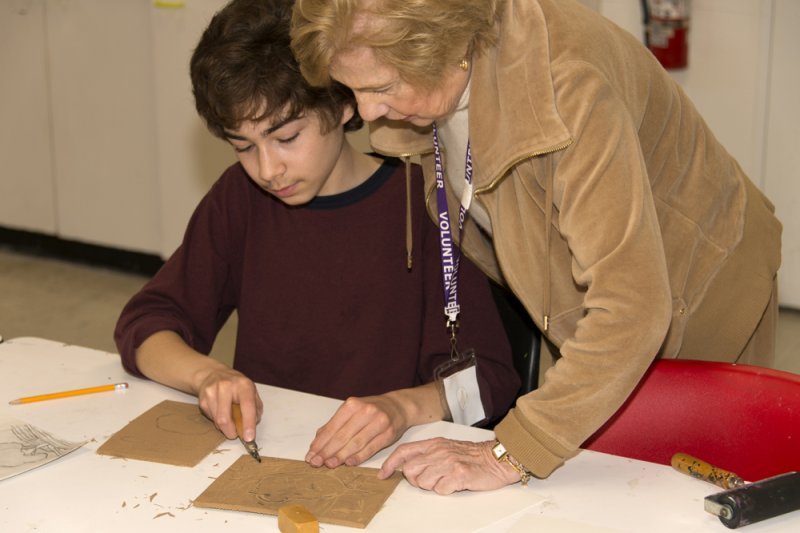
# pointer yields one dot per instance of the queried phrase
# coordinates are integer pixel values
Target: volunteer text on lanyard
(459, 376)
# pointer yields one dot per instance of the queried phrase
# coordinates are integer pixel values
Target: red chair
(741, 418)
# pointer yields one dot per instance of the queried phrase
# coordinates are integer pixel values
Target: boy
(304, 238)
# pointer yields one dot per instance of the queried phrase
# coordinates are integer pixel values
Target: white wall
(726, 77)
(782, 141)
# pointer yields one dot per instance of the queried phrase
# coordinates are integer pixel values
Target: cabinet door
(192, 158)
(103, 119)
(27, 198)
(782, 158)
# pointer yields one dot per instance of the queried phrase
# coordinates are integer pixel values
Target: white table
(86, 492)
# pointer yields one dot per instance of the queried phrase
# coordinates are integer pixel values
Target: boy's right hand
(219, 390)
(165, 357)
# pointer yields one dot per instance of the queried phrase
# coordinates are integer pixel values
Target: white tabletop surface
(86, 492)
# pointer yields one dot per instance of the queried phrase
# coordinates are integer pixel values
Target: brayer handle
(696, 468)
(756, 501)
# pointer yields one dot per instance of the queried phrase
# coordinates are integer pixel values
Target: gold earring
(464, 64)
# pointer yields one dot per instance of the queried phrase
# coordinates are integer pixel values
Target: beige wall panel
(103, 122)
(26, 173)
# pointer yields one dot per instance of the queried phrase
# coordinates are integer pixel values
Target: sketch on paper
(23, 447)
(348, 496)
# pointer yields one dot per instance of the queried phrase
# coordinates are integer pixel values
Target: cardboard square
(173, 433)
(347, 495)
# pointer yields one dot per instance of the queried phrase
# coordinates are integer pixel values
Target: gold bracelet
(501, 454)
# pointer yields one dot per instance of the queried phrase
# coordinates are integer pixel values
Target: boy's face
(293, 160)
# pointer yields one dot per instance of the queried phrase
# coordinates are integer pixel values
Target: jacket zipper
(496, 180)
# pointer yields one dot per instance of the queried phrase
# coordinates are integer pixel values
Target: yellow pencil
(67, 393)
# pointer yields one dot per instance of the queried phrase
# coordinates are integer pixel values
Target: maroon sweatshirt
(324, 298)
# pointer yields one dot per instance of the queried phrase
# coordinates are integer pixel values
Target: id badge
(459, 380)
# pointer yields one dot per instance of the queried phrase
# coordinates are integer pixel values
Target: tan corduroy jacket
(614, 211)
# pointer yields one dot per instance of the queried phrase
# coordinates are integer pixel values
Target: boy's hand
(221, 388)
(359, 428)
(165, 357)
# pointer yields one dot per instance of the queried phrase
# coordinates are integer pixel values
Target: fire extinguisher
(666, 25)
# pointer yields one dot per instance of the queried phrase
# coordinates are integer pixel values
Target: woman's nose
(371, 110)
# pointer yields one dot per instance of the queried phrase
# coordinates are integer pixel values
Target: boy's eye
(242, 149)
(289, 139)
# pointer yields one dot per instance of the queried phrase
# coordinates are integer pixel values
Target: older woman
(591, 187)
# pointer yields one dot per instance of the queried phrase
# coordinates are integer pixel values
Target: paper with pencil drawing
(23, 447)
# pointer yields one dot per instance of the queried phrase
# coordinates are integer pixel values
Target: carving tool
(743, 503)
(250, 446)
(68, 393)
(707, 472)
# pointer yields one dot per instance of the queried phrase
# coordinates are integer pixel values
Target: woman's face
(381, 92)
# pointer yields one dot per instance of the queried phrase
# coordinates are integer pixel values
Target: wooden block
(296, 519)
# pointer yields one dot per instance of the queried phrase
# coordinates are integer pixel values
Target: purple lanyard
(450, 254)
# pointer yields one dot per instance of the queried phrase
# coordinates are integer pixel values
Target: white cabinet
(190, 158)
(103, 122)
(27, 192)
(78, 145)
(101, 142)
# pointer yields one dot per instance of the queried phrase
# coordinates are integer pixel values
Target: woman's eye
(243, 149)
(381, 89)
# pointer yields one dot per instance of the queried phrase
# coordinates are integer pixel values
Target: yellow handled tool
(250, 446)
(707, 472)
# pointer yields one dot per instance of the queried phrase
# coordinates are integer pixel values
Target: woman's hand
(446, 466)
(362, 427)
(219, 388)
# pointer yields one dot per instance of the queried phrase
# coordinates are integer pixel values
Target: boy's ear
(347, 114)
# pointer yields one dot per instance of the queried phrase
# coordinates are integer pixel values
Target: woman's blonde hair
(419, 38)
